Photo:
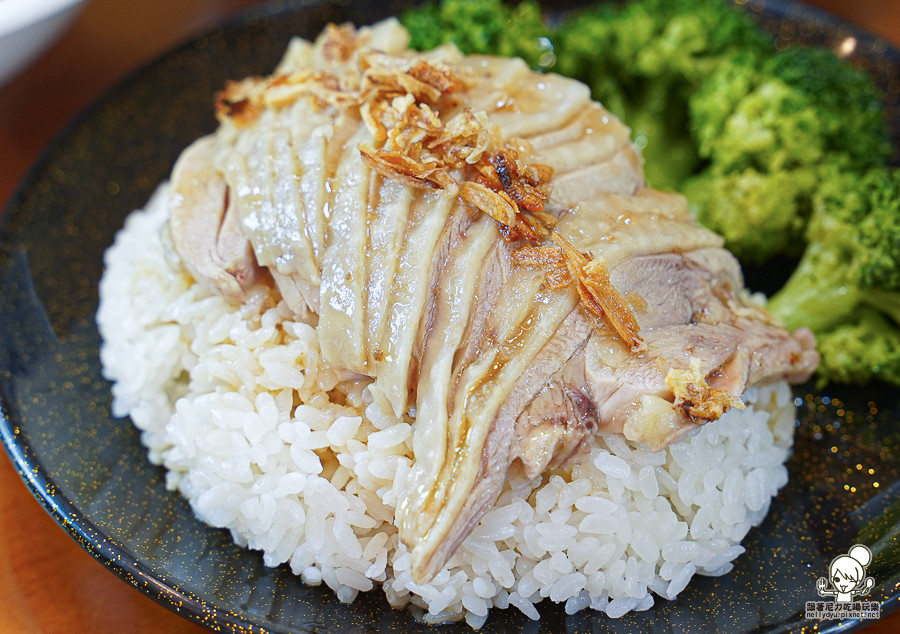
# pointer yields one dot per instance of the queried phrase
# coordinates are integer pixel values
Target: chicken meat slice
(204, 225)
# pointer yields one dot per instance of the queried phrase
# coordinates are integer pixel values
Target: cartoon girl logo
(847, 576)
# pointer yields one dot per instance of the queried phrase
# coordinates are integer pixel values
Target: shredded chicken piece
(695, 397)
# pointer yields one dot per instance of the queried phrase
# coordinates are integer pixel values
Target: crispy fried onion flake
(695, 397)
(345, 75)
(566, 265)
(463, 156)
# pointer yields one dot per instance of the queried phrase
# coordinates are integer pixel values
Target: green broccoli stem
(818, 295)
(827, 287)
(886, 302)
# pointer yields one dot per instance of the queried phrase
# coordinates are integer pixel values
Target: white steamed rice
(264, 439)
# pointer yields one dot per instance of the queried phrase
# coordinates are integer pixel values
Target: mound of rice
(263, 438)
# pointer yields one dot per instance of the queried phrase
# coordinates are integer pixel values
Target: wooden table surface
(48, 584)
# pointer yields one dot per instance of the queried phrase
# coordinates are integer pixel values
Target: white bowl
(28, 27)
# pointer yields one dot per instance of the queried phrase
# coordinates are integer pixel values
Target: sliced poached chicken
(388, 192)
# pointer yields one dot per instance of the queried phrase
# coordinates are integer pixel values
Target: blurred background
(48, 585)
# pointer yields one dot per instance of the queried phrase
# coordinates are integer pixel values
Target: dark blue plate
(90, 472)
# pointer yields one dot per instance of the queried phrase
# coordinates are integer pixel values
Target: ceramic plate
(89, 469)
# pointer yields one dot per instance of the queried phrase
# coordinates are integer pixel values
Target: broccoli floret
(774, 125)
(861, 351)
(584, 41)
(793, 110)
(738, 204)
(659, 128)
(425, 26)
(482, 26)
(848, 102)
(848, 280)
(644, 59)
(680, 41)
(690, 38)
